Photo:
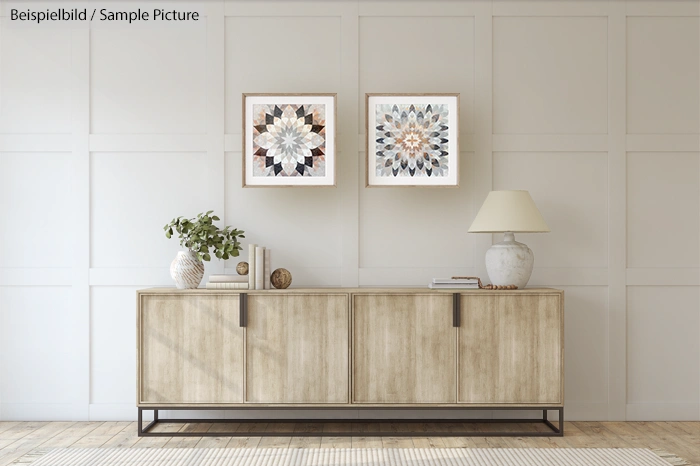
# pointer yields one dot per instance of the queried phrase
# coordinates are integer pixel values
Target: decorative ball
(242, 268)
(281, 279)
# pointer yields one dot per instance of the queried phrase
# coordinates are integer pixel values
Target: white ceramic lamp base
(509, 262)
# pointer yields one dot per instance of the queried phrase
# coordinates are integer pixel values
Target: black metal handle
(243, 309)
(456, 314)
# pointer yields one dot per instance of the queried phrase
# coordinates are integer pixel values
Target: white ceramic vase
(187, 270)
(509, 262)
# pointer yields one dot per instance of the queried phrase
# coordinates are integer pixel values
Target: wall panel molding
(36, 143)
(348, 171)
(80, 71)
(617, 211)
(663, 7)
(550, 142)
(216, 115)
(663, 276)
(483, 122)
(282, 8)
(421, 9)
(547, 8)
(10, 276)
(149, 142)
(663, 142)
(569, 276)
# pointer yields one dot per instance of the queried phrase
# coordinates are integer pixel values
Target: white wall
(593, 106)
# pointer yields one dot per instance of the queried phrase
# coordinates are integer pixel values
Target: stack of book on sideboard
(228, 282)
(454, 283)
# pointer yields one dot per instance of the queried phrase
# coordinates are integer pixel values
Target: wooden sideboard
(350, 348)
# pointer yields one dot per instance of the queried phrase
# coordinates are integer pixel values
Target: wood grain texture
(511, 349)
(191, 349)
(297, 348)
(403, 349)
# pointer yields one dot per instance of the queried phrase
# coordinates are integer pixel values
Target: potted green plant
(200, 238)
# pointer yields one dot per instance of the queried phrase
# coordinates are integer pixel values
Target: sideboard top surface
(366, 290)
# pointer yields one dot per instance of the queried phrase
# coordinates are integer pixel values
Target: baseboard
(115, 412)
(585, 411)
(43, 412)
(663, 411)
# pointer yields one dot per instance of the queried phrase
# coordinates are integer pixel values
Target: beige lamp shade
(513, 211)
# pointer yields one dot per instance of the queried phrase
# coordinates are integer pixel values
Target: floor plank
(157, 442)
(243, 442)
(213, 442)
(124, 439)
(71, 435)
(597, 436)
(397, 442)
(101, 435)
(224, 427)
(366, 442)
(329, 441)
(306, 440)
(247, 442)
(184, 442)
(277, 442)
(428, 442)
(32, 440)
(6, 425)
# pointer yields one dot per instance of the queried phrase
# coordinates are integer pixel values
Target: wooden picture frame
(289, 140)
(428, 153)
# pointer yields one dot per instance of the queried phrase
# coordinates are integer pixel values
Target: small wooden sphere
(242, 268)
(281, 279)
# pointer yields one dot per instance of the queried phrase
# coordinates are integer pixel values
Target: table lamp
(509, 212)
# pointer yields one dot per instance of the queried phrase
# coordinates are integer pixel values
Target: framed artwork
(289, 140)
(412, 139)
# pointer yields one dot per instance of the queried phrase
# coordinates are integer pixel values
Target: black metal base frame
(554, 431)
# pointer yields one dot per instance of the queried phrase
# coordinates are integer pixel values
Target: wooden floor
(19, 438)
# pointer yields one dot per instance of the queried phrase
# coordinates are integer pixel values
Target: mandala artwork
(289, 140)
(412, 140)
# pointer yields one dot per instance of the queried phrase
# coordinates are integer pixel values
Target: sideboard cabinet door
(511, 349)
(190, 349)
(403, 349)
(297, 348)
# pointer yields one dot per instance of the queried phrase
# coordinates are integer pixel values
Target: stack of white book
(259, 267)
(228, 282)
(453, 283)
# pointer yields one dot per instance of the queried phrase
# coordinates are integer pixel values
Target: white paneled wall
(593, 106)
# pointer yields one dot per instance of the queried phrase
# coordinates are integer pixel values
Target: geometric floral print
(289, 140)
